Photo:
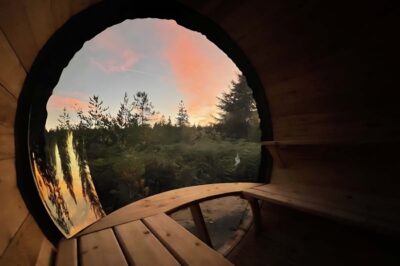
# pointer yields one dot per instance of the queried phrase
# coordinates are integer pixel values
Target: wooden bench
(155, 240)
(377, 213)
(142, 233)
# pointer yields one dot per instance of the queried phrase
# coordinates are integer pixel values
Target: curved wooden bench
(376, 213)
(142, 233)
(168, 202)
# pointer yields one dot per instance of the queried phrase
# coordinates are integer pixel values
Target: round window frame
(61, 47)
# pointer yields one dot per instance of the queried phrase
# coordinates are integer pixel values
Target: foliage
(182, 118)
(129, 158)
(238, 116)
(144, 107)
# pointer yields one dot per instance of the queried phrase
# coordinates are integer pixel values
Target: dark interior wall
(330, 74)
(290, 237)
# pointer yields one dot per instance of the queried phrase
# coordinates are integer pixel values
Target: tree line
(237, 116)
(131, 155)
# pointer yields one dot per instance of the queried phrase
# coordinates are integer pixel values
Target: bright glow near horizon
(167, 61)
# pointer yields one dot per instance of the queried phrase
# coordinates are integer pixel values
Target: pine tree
(125, 117)
(64, 120)
(98, 118)
(182, 118)
(238, 110)
(144, 107)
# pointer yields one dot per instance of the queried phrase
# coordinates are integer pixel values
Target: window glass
(144, 107)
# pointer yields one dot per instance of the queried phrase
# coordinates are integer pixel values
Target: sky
(167, 61)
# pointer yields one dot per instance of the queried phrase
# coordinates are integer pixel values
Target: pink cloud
(202, 72)
(70, 103)
(111, 52)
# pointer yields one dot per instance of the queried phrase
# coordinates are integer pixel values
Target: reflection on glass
(65, 184)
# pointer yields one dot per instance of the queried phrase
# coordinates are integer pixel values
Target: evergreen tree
(238, 112)
(64, 120)
(125, 117)
(182, 118)
(98, 118)
(144, 107)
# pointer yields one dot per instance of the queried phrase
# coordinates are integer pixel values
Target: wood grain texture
(67, 253)
(363, 210)
(61, 10)
(7, 142)
(40, 16)
(46, 254)
(13, 211)
(188, 249)
(25, 246)
(8, 107)
(101, 248)
(15, 24)
(78, 6)
(141, 246)
(12, 73)
(165, 202)
(201, 228)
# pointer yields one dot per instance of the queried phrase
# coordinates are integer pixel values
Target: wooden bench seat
(155, 240)
(377, 213)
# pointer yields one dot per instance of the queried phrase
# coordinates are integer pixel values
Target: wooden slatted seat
(156, 240)
(188, 249)
(167, 202)
(143, 234)
(368, 211)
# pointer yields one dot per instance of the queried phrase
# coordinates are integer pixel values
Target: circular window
(145, 106)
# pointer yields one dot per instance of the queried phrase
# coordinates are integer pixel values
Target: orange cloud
(201, 70)
(59, 102)
(111, 53)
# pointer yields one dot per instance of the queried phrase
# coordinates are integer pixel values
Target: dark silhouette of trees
(144, 108)
(125, 116)
(64, 120)
(182, 118)
(238, 112)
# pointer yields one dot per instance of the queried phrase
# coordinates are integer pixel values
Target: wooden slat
(46, 254)
(25, 246)
(16, 26)
(78, 6)
(67, 254)
(141, 246)
(7, 150)
(165, 202)
(349, 212)
(255, 209)
(188, 249)
(8, 107)
(13, 211)
(61, 12)
(41, 19)
(201, 227)
(101, 248)
(12, 74)
(368, 205)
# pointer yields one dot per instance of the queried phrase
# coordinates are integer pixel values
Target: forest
(132, 155)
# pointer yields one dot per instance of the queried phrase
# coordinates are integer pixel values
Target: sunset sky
(168, 61)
